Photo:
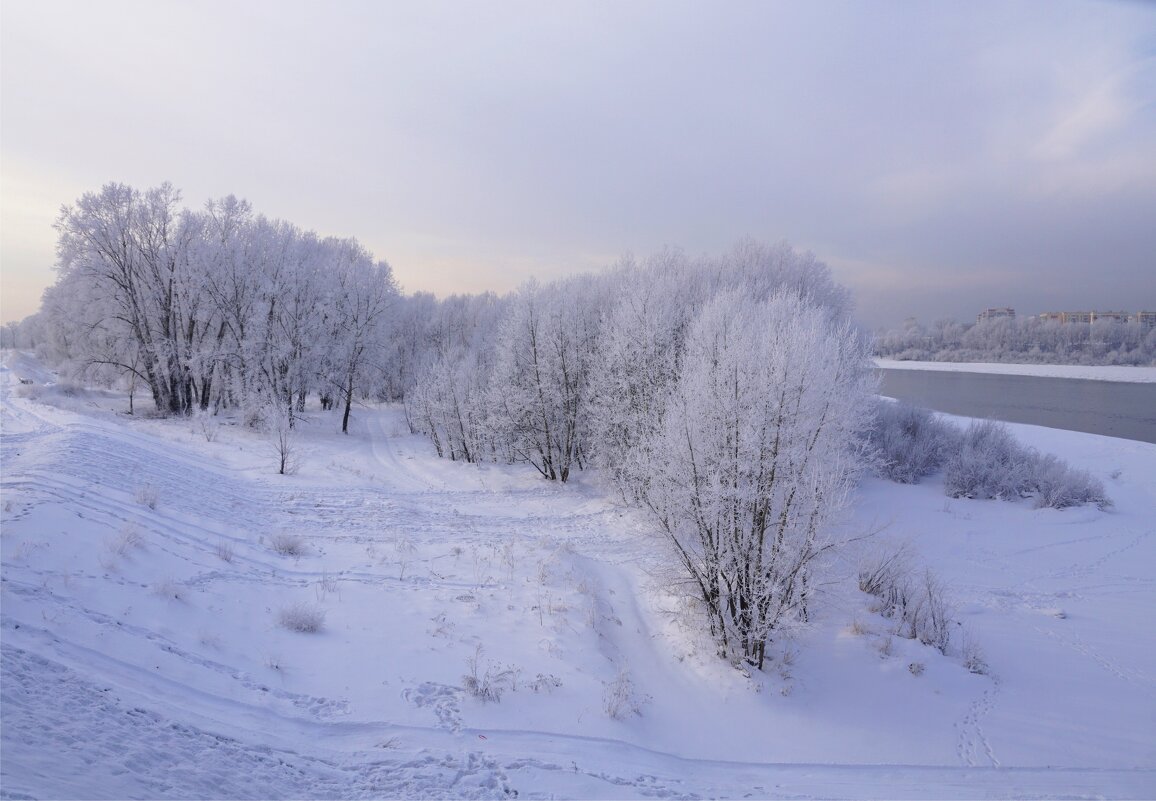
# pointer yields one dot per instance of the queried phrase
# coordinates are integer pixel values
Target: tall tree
(754, 455)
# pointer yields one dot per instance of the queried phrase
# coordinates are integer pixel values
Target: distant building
(994, 314)
(1068, 317)
(1110, 316)
(1092, 317)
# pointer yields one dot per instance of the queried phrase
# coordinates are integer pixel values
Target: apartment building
(993, 314)
(1147, 319)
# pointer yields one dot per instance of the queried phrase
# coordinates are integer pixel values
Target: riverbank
(1123, 373)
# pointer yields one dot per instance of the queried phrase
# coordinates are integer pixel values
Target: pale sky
(941, 157)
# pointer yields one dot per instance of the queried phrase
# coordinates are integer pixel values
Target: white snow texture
(146, 653)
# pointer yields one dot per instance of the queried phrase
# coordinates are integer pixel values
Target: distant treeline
(1021, 339)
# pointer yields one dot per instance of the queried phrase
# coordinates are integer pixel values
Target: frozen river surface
(1112, 408)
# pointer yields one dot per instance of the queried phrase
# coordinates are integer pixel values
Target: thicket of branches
(211, 308)
(1022, 340)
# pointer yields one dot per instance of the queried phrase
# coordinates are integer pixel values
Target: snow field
(146, 569)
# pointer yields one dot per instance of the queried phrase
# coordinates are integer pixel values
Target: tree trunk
(348, 403)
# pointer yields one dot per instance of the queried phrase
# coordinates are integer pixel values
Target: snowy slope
(1142, 375)
(143, 656)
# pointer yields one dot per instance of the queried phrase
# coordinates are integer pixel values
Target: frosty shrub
(991, 464)
(620, 699)
(488, 685)
(973, 657)
(224, 550)
(288, 544)
(126, 540)
(147, 495)
(168, 588)
(302, 617)
(279, 424)
(1059, 485)
(918, 605)
(885, 570)
(909, 442)
(207, 424)
(988, 464)
(757, 450)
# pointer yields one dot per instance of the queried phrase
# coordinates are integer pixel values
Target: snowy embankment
(1141, 375)
(147, 566)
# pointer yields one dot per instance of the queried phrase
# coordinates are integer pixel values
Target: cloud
(490, 141)
(1101, 110)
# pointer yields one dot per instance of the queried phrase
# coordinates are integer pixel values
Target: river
(1112, 408)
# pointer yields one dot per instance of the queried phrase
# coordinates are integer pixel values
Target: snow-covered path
(142, 655)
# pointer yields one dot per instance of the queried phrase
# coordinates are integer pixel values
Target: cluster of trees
(726, 396)
(1023, 340)
(212, 308)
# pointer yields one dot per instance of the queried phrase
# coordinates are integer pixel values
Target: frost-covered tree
(537, 396)
(128, 250)
(362, 294)
(1021, 339)
(216, 307)
(448, 398)
(637, 356)
(755, 454)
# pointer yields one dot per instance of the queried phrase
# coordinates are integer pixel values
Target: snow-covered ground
(1142, 375)
(143, 655)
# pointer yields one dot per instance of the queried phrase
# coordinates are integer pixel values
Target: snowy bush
(168, 588)
(620, 698)
(279, 424)
(991, 464)
(885, 570)
(909, 442)
(224, 550)
(973, 657)
(287, 544)
(1059, 486)
(147, 495)
(917, 605)
(126, 540)
(207, 424)
(302, 617)
(488, 685)
(988, 464)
